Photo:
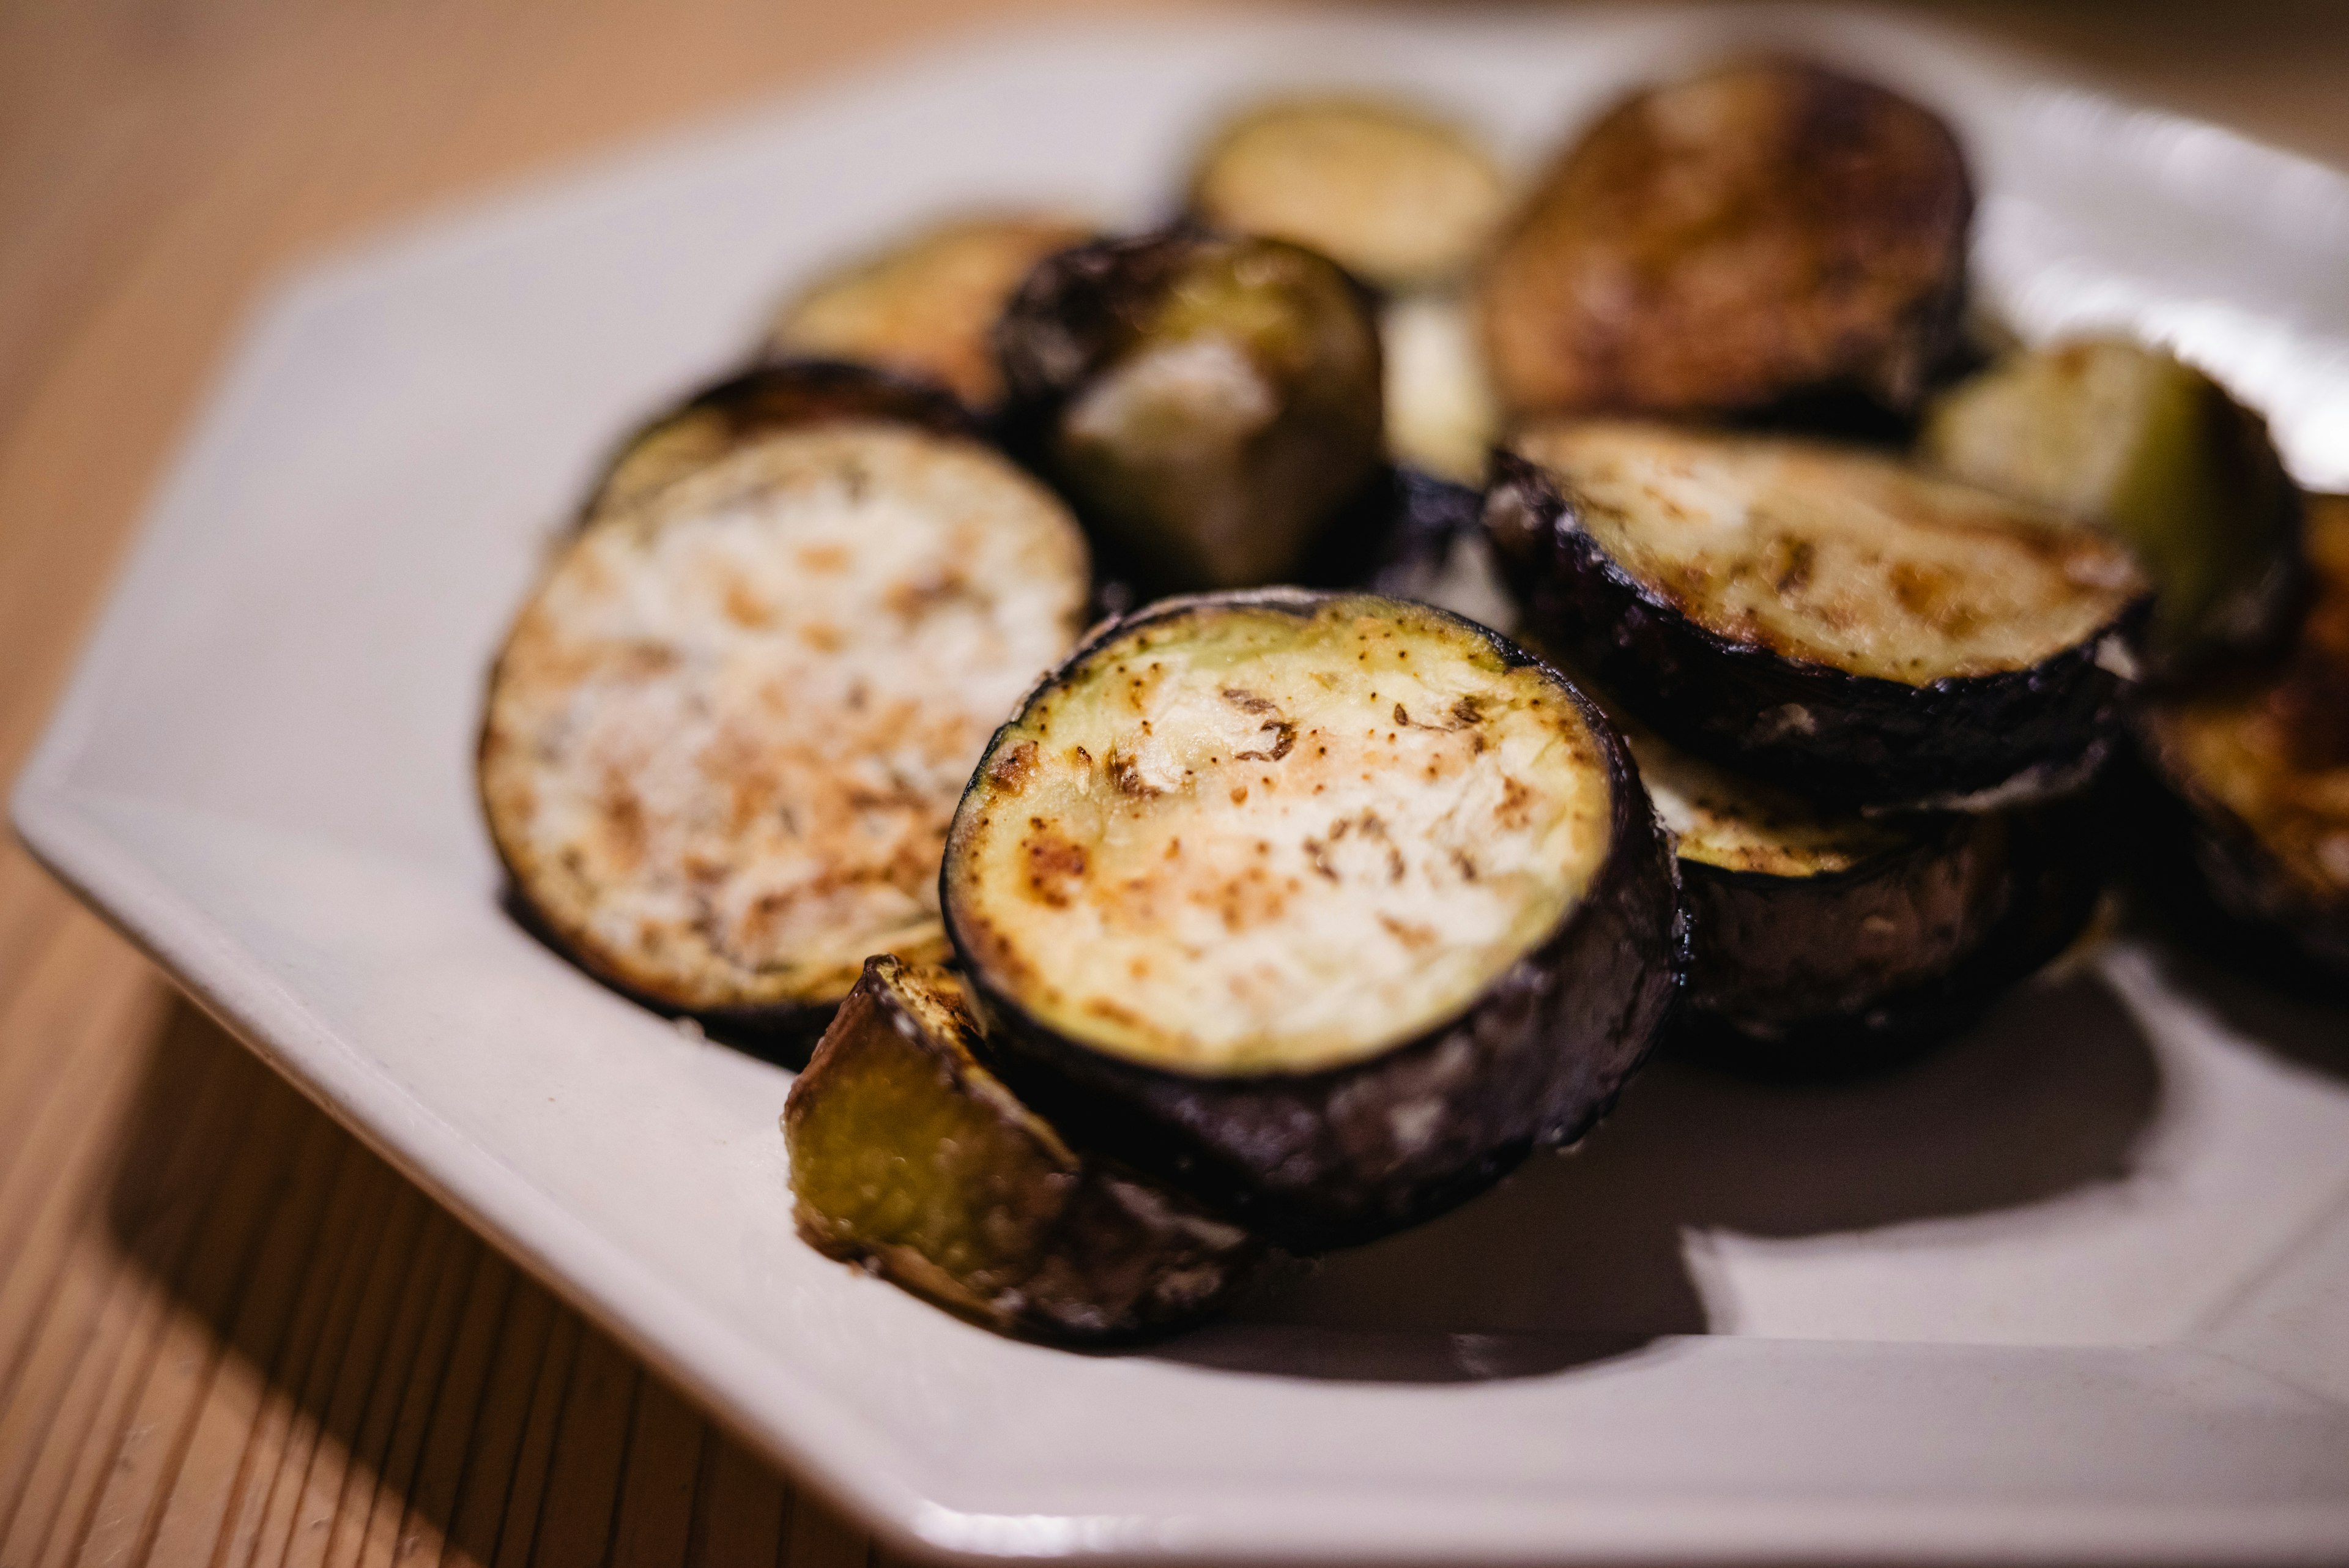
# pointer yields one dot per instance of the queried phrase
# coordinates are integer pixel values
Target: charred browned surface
(1730, 241)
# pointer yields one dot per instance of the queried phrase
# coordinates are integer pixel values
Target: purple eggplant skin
(1314, 1160)
(1786, 982)
(1843, 739)
(778, 395)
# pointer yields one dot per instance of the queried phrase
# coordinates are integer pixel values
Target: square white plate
(2076, 1288)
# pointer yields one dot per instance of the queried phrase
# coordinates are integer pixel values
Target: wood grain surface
(228, 1335)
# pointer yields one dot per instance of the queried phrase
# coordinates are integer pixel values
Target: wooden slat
(230, 1336)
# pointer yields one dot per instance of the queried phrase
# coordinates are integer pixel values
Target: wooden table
(228, 1335)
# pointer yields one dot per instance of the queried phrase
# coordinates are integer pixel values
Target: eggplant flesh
(1396, 196)
(908, 1157)
(1329, 907)
(727, 732)
(745, 407)
(1767, 231)
(2129, 439)
(1210, 404)
(1440, 411)
(927, 306)
(2260, 766)
(1824, 619)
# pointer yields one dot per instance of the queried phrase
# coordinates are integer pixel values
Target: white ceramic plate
(2076, 1288)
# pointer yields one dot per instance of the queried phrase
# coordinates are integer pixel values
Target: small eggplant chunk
(728, 730)
(2260, 767)
(1327, 906)
(1769, 232)
(1823, 942)
(909, 1157)
(1211, 403)
(1824, 619)
(1396, 196)
(927, 306)
(2131, 439)
(744, 408)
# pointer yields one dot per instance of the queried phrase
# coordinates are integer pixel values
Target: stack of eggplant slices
(1530, 621)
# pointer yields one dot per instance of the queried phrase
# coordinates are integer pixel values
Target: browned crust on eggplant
(1851, 739)
(1317, 1159)
(1060, 1244)
(1766, 231)
(730, 413)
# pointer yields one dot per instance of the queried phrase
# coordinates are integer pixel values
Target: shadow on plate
(1579, 1258)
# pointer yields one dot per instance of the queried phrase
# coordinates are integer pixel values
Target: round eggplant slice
(1396, 196)
(1767, 231)
(908, 1157)
(1824, 619)
(2130, 438)
(747, 408)
(1327, 906)
(1211, 403)
(927, 306)
(727, 731)
(2261, 767)
(1824, 941)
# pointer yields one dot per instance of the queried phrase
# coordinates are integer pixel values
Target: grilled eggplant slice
(2261, 767)
(927, 306)
(1824, 619)
(1825, 942)
(1768, 232)
(727, 732)
(2132, 439)
(1211, 403)
(1327, 906)
(1442, 415)
(744, 408)
(909, 1157)
(1398, 197)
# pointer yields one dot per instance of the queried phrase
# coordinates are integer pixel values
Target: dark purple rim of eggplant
(782, 394)
(1310, 1159)
(1850, 740)
(2057, 871)
(2213, 876)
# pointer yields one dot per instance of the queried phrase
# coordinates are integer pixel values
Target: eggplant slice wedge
(727, 731)
(2259, 769)
(1824, 619)
(927, 306)
(1824, 942)
(1210, 404)
(908, 1157)
(1766, 233)
(1327, 906)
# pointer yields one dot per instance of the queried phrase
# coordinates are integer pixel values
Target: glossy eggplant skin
(1857, 970)
(730, 413)
(1210, 404)
(1842, 738)
(2252, 773)
(1321, 1159)
(910, 1158)
(1769, 232)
